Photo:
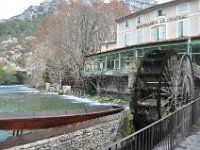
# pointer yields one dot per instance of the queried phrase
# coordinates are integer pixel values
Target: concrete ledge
(78, 132)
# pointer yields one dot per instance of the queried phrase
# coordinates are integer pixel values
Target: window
(113, 62)
(116, 64)
(127, 39)
(96, 66)
(184, 7)
(110, 64)
(158, 33)
(159, 13)
(182, 28)
(139, 36)
(196, 56)
(127, 23)
(139, 19)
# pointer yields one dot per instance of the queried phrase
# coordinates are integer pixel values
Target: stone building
(172, 25)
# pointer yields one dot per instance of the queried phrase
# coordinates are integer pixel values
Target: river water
(21, 98)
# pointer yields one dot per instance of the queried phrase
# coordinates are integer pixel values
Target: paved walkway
(192, 141)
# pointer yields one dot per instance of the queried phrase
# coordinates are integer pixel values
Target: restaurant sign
(163, 20)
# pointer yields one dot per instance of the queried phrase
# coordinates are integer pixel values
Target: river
(21, 98)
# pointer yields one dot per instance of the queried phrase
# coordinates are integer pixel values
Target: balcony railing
(123, 71)
(163, 134)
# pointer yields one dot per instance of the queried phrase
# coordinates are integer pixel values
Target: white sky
(10, 8)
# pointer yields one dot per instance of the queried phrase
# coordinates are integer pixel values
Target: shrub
(126, 127)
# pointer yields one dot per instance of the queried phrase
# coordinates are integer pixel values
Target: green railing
(107, 72)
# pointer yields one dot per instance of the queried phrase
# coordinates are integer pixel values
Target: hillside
(15, 41)
(18, 28)
(16, 33)
(136, 5)
(34, 11)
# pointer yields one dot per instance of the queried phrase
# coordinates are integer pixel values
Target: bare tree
(68, 33)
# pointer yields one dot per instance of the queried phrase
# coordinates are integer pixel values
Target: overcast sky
(10, 8)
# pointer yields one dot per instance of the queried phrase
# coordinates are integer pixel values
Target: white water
(85, 100)
(17, 89)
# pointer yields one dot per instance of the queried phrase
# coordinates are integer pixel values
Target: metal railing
(163, 134)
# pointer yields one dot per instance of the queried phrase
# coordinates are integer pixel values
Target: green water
(21, 98)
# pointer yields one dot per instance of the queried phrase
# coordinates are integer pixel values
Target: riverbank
(116, 99)
(113, 99)
(22, 98)
(126, 125)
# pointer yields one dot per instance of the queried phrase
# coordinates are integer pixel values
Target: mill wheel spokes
(163, 84)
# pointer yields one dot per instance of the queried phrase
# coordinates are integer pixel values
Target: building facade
(172, 25)
(166, 21)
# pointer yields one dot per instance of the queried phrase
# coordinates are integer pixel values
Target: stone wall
(90, 138)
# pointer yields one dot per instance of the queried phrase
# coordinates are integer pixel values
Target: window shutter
(162, 32)
(154, 34)
(139, 36)
(127, 39)
(183, 7)
(138, 19)
(185, 28)
(182, 28)
(155, 14)
(164, 12)
(179, 28)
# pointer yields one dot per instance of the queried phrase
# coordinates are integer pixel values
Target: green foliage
(10, 76)
(46, 76)
(87, 84)
(19, 28)
(2, 73)
(10, 70)
(106, 99)
(126, 127)
(136, 63)
(13, 80)
(20, 77)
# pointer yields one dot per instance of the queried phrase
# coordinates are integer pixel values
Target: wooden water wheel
(164, 82)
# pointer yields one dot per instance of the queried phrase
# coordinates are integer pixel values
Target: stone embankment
(88, 135)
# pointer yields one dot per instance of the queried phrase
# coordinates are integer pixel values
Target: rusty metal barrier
(163, 134)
